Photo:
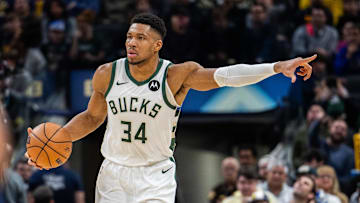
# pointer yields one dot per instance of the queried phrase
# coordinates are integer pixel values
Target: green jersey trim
(164, 89)
(112, 78)
(145, 81)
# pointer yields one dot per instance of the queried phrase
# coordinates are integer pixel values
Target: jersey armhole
(164, 87)
(112, 78)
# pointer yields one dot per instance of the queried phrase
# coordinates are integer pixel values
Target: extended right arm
(95, 114)
(89, 120)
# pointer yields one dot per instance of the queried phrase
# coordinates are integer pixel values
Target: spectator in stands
(55, 10)
(24, 170)
(86, 50)
(181, 43)
(10, 35)
(229, 168)
(65, 184)
(334, 7)
(114, 12)
(246, 186)
(355, 197)
(349, 34)
(314, 158)
(304, 190)
(321, 196)
(31, 25)
(299, 131)
(339, 155)
(13, 187)
(247, 156)
(347, 59)
(315, 36)
(56, 51)
(258, 39)
(43, 194)
(276, 181)
(332, 94)
(262, 168)
(77, 6)
(328, 181)
(351, 13)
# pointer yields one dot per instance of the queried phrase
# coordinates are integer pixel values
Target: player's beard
(137, 62)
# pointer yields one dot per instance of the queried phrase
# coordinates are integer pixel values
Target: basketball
(49, 145)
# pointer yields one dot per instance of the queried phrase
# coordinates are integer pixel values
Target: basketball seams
(45, 144)
(48, 158)
(60, 141)
(45, 133)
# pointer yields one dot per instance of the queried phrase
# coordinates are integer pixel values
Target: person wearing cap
(247, 187)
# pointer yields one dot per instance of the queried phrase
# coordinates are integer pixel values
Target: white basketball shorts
(121, 184)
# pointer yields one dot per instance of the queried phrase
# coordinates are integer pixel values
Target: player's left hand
(289, 67)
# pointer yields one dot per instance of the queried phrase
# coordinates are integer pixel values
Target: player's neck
(144, 69)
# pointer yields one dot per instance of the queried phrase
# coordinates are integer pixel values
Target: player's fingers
(26, 155)
(29, 130)
(308, 59)
(308, 71)
(293, 78)
(301, 73)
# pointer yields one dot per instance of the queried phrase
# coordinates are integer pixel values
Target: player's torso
(142, 117)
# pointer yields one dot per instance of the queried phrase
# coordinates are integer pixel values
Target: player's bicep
(100, 82)
(97, 106)
(200, 78)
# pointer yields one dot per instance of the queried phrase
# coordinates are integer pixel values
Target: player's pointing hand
(289, 67)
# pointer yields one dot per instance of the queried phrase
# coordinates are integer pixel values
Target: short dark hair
(314, 154)
(43, 194)
(248, 147)
(248, 173)
(154, 21)
(21, 160)
(313, 189)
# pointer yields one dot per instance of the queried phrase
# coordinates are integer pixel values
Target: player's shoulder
(102, 77)
(182, 68)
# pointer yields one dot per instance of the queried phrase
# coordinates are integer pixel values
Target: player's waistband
(172, 159)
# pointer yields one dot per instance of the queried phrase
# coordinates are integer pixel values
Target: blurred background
(51, 48)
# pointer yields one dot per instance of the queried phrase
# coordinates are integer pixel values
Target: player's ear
(158, 45)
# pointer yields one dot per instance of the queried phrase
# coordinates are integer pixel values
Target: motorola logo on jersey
(154, 85)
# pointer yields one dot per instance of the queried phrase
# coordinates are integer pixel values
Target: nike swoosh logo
(166, 170)
(120, 83)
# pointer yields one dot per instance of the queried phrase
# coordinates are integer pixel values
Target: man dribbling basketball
(141, 95)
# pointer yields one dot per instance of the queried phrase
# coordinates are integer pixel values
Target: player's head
(144, 38)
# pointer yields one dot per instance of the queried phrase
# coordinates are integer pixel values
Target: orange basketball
(49, 145)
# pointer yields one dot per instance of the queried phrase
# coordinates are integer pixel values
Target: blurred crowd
(269, 179)
(43, 41)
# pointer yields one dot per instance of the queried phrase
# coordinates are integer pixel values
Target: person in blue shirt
(339, 155)
(66, 185)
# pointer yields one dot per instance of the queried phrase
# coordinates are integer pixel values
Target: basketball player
(141, 96)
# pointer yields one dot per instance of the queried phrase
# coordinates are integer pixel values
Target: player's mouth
(131, 53)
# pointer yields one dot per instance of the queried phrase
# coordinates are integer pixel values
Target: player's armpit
(199, 78)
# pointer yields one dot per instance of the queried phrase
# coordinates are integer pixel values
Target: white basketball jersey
(142, 117)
